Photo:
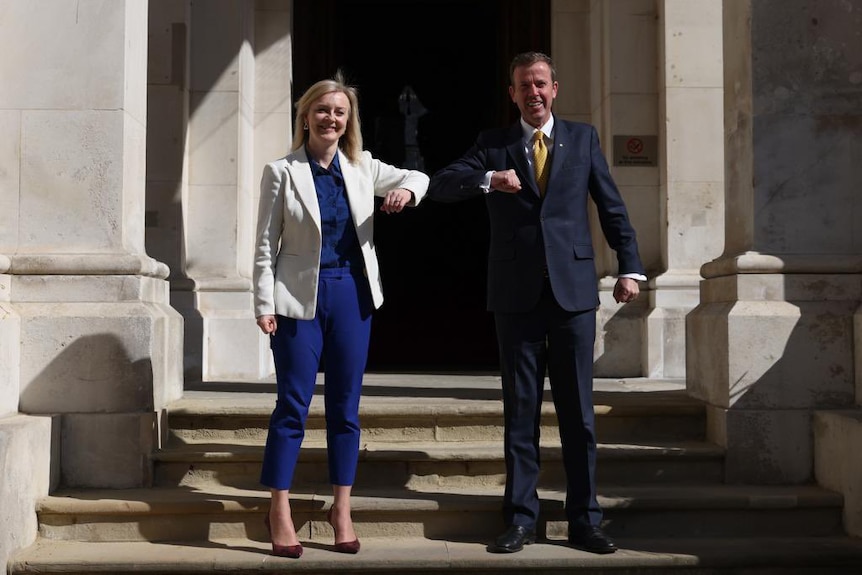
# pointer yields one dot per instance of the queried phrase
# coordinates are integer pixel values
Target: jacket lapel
(562, 149)
(300, 174)
(356, 192)
(515, 148)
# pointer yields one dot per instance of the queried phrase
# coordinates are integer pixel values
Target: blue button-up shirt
(340, 244)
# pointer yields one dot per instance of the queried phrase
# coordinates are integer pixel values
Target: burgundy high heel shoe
(347, 546)
(292, 551)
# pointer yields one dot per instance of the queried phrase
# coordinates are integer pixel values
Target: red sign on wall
(635, 150)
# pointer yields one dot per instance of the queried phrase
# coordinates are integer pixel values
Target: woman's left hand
(395, 200)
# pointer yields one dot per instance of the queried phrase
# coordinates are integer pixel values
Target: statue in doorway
(412, 109)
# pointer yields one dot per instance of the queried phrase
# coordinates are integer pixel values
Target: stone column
(97, 338)
(623, 101)
(691, 170)
(273, 104)
(167, 133)
(10, 336)
(273, 112)
(215, 297)
(772, 340)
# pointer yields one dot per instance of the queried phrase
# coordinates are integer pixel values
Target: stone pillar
(623, 101)
(167, 133)
(10, 336)
(273, 113)
(97, 338)
(772, 340)
(273, 103)
(222, 340)
(24, 441)
(691, 169)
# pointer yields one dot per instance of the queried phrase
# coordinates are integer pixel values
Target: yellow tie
(540, 160)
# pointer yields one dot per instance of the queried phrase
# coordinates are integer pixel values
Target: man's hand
(505, 181)
(626, 290)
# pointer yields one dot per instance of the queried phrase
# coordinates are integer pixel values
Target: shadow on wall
(91, 373)
(619, 343)
(783, 362)
(104, 398)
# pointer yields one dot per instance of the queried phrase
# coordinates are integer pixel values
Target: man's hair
(528, 59)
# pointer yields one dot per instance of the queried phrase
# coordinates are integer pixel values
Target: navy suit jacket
(527, 232)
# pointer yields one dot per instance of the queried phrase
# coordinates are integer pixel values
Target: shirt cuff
(486, 182)
(638, 277)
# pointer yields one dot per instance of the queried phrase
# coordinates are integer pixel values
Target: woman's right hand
(267, 323)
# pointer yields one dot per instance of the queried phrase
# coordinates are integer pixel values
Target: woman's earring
(305, 126)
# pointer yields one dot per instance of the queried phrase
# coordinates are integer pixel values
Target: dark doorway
(430, 75)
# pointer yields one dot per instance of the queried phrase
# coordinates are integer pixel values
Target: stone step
(428, 495)
(427, 407)
(436, 464)
(427, 556)
(641, 511)
(438, 431)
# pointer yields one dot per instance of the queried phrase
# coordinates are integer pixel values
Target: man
(543, 288)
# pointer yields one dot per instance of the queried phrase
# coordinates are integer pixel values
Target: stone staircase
(428, 490)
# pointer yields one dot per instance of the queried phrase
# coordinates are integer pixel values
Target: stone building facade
(133, 134)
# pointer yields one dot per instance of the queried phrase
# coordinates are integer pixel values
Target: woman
(316, 283)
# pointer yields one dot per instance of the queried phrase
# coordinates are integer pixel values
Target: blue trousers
(339, 333)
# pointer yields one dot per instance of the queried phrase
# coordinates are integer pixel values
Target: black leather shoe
(513, 539)
(591, 538)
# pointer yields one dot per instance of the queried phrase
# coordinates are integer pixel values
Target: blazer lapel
(515, 148)
(561, 152)
(300, 174)
(356, 192)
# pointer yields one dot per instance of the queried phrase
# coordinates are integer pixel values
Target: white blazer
(289, 242)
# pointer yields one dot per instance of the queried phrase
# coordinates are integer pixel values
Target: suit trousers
(561, 341)
(339, 334)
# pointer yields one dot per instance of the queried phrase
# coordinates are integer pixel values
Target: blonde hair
(351, 142)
